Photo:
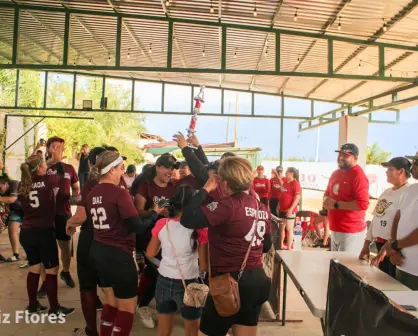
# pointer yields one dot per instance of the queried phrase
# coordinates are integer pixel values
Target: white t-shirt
(129, 180)
(384, 213)
(181, 238)
(407, 224)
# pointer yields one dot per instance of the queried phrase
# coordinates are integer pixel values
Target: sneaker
(62, 311)
(79, 332)
(2, 258)
(319, 244)
(145, 317)
(66, 277)
(15, 258)
(99, 304)
(24, 264)
(42, 291)
(36, 309)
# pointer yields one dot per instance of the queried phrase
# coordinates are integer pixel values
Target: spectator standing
(288, 205)
(276, 183)
(379, 231)
(347, 199)
(130, 176)
(403, 250)
(83, 167)
(261, 185)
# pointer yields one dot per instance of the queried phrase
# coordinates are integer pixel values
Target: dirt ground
(13, 298)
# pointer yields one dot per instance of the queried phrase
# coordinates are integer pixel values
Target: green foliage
(121, 130)
(375, 155)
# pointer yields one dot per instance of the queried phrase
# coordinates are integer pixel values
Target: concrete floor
(13, 297)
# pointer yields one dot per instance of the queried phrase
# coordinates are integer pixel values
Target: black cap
(168, 161)
(349, 148)
(94, 153)
(398, 163)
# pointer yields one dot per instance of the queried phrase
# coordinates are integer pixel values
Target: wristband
(394, 246)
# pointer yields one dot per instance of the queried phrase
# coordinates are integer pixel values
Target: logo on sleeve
(213, 206)
(67, 176)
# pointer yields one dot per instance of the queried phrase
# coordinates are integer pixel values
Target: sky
(265, 132)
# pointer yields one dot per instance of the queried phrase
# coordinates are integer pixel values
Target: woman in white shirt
(183, 249)
(130, 176)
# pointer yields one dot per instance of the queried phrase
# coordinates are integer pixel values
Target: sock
(123, 323)
(88, 306)
(107, 319)
(51, 289)
(32, 283)
(144, 283)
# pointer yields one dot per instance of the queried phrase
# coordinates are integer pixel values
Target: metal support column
(170, 45)
(281, 131)
(381, 61)
(66, 38)
(15, 48)
(74, 89)
(223, 54)
(277, 52)
(162, 97)
(252, 103)
(45, 89)
(118, 40)
(133, 95)
(330, 56)
(222, 101)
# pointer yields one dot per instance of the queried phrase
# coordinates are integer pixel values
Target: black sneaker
(66, 277)
(42, 291)
(36, 309)
(99, 304)
(62, 311)
(2, 258)
(15, 258)
(320, 243)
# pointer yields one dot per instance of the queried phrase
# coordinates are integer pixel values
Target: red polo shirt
(262, 187)
(350, 185)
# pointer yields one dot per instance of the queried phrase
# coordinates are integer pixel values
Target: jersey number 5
(34, 200)
(260, 226)
(98, 216)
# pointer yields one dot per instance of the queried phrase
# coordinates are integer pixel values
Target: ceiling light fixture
(150, 48)
(339, 23)
(385, 27)
(255, 9)
(295, 17)
(212, 10)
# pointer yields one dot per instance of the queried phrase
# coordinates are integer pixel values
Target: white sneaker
(145, 317)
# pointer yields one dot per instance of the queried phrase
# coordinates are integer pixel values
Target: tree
(375, 155)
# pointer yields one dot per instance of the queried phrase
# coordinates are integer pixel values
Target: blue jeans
(169, 295)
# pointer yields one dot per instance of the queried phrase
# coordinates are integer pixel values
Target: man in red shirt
(347, 199)
(261, 185)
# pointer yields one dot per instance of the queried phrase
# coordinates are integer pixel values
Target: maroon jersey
(39, 205)
(154, 193)
(82, 201)
(109, 205)
(232, 226)
(64, 193)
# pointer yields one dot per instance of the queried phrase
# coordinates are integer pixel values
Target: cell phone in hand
(409, 307)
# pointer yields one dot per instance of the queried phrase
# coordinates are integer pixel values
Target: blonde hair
(237, 172)
(102, 160)
(27, 169)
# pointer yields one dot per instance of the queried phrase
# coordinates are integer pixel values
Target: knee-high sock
(107, 320)
(32, 283)
(88, 306)
(123, 324)
(51, 289)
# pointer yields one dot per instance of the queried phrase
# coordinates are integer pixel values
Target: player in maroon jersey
(37, 196)
(115, 223)
(234, 222)
(86, 271)
(68, 185)
(157, 189)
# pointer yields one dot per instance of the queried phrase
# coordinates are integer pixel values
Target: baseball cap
(168, 161)
(412, 157)
(114, 149)
(54, 139)
(260, 167)
(349, 148)
(94, 153)
(398, 163)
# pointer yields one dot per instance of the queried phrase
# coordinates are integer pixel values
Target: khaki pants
(347, 242)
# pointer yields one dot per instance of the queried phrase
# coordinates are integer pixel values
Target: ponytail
(194, 236)
(25, 179)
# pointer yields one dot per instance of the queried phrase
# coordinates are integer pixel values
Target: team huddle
(201, 237)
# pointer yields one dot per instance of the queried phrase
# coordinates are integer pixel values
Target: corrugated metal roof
(144, 42)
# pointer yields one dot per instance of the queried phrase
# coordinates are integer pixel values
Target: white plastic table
(309, 271)
(408, 298)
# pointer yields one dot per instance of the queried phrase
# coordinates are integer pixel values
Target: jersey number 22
(98, 216)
